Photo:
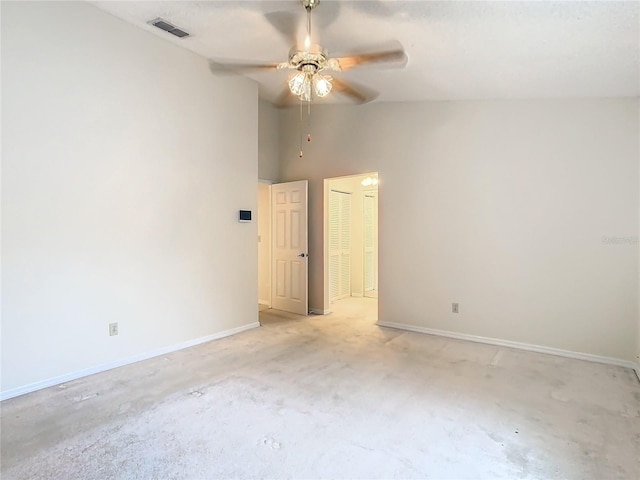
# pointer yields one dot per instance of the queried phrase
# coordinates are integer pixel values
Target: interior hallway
(348, 309)
(332, 397)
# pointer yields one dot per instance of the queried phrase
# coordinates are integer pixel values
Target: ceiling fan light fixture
(321, 85)
(305, 96)
(297, 83)
(369, 181)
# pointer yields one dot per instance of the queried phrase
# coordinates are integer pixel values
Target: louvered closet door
(334, 245)
(339, 245)
(345, 245)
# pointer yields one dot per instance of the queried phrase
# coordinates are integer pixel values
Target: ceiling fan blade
(231, 68)
(356, 92)
(395, 58)
(286, 23)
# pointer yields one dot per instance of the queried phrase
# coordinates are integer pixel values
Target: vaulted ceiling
(456, 50)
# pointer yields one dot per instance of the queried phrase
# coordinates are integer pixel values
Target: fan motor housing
(316, 57)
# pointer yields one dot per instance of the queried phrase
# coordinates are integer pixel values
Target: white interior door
(289, 289)
(264, 244)
(339, 245)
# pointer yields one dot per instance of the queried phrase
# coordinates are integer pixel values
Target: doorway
(351, 243)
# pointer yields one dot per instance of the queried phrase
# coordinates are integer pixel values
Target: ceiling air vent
(167, 27)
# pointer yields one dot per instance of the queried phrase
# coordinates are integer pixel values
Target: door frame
(373, 194)
(268, 183)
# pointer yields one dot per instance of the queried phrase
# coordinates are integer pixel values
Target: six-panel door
(289, 289)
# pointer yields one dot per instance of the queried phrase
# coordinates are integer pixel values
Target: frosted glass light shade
(305, 96)
(297, 83)
(321, 85)
(300, 85)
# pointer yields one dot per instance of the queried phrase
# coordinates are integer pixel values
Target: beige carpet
(331, 397)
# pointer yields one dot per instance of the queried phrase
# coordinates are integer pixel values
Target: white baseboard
(50, 382)
(319, 311)
(357, 295)
(266, 303)
(518, 345)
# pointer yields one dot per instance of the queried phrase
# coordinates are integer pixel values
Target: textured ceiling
(456, 50)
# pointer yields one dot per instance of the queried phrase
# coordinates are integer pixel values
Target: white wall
(268, 142)
(125, 162)
(637, 359)
(502, 206)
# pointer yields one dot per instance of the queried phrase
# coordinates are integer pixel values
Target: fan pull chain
(307, 47)
(309, 122)
(301, 154)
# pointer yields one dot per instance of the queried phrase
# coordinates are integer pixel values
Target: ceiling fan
(311, 64)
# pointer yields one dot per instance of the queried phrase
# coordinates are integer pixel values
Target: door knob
(302, 255)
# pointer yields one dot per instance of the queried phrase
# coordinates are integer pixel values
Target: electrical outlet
(455, 307)
(113, 329)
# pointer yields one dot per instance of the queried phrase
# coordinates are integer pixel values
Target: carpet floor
(332, 397)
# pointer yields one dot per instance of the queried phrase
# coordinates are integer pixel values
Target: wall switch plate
(455, 307)
(113, 329)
